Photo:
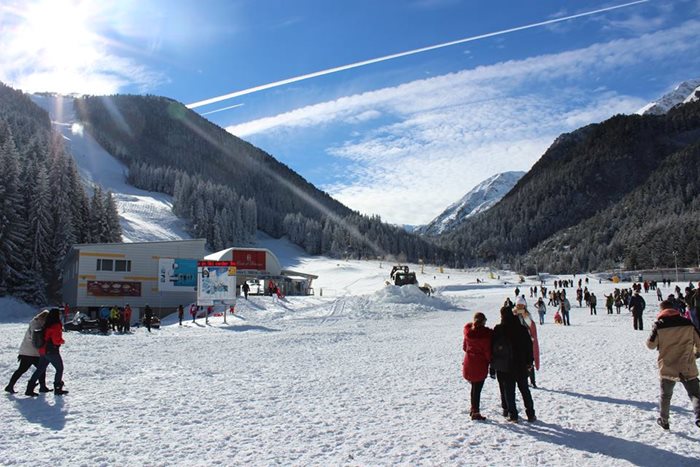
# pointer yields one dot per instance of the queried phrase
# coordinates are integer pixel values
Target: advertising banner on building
(216, 282)
(249, 260)
(177, 275)
(113, 289)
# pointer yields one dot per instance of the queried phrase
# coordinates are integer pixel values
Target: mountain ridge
(479, 199)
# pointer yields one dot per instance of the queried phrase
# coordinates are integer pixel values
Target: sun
(59, 32)
(54, 45)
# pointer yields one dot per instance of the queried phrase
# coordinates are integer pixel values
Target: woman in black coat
(512, 359)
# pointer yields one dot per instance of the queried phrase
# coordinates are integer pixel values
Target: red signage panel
(113, 289)
(250, 259)
(215, 264)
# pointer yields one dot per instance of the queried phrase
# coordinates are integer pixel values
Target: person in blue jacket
(104, 319)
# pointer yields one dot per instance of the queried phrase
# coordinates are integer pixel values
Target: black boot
(30, 390)
(10, 389)
(58, 389)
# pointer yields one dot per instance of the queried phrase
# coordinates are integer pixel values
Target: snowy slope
(479, 199)
(145, 216)
(687, 91)
(363, 375)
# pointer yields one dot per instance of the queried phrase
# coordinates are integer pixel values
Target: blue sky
(402, 138)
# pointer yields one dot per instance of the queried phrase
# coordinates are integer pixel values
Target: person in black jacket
(512, 360)
(147, 317)
(637, 305)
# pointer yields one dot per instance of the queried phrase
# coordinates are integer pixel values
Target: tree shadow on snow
(611, 400)
(635, 452)
(38, 410)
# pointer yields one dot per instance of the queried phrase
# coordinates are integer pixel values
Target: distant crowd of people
(510, 352)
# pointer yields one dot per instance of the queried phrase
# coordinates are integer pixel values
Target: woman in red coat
(477, 356)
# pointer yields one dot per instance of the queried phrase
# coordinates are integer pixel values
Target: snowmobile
(82, 323)
(402, 276)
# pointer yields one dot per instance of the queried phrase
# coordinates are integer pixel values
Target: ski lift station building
(162, 275)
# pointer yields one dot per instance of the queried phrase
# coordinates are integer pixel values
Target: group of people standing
(509, 352)
(118, 318)
(40, 347)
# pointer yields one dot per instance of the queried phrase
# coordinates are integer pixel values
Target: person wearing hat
(477, 356)
(526, 320)
(29, 354)
(637, 305)
(678, 343)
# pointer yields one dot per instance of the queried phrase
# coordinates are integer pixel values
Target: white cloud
(450, 132)
(54, 45)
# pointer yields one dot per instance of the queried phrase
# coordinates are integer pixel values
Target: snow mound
(407, 294)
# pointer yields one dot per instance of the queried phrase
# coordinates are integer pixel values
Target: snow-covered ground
(365, 374)
(145, 215)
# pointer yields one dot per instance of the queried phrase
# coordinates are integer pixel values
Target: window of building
(118, 265)
(105, 264)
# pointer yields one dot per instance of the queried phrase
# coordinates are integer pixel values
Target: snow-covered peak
(479, 199)
(687, 91)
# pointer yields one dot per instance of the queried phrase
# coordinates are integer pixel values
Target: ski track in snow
(369, 376)
(144, 216)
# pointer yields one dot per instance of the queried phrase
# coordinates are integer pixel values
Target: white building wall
(144, 270)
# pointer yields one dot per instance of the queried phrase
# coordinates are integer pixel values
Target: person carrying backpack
(29, 353)
(512, 358)
(50, 353)
(678, 343)
(477, 356)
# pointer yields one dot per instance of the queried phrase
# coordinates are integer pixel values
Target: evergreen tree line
(44, 208)
(598, 199)
(217, 179)
(215, 212)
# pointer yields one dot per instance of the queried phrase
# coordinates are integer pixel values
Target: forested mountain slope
(220, 182)
(44, 207)
(601, 177)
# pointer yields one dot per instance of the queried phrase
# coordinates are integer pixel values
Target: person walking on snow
(678, 343)
(593, 301)
(147, 317)
(477, 356)
(50, 353)
(29, 354)
(564, 308)
(541, 309)
(180, 313)
(637, 305)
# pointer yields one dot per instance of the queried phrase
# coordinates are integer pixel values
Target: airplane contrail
(221, 110)
(329, 71)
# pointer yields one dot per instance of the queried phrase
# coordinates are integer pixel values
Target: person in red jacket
(477, 356)
(50, 353)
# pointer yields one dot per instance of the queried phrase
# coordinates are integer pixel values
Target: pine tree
(114, 228)
(12, 223)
